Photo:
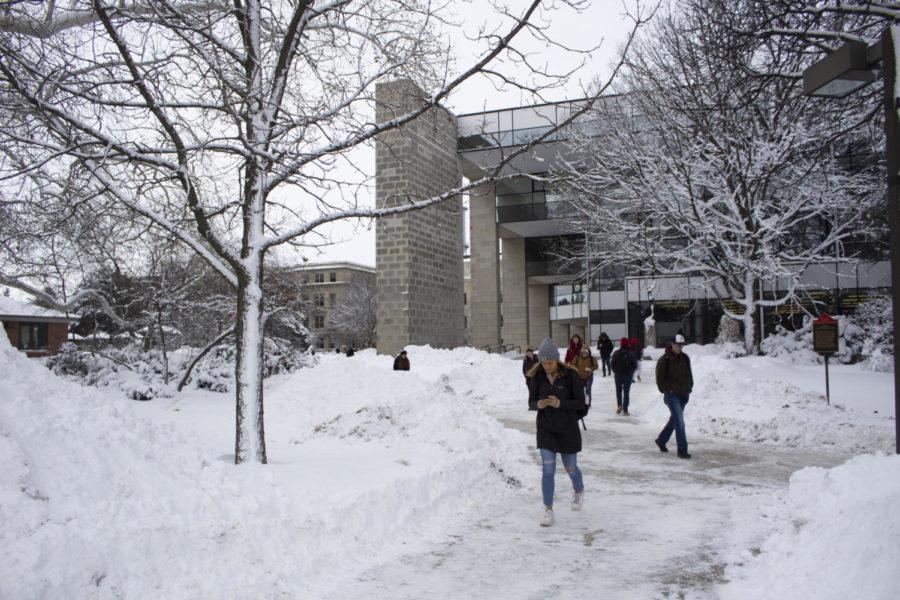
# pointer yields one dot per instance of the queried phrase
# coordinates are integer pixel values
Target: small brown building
(34, 330)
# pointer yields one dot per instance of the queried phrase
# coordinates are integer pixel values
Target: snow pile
(100, 502)
(835, 536)
(765, 400)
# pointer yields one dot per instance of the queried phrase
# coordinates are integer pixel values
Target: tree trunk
(250, 440)
(749, 316)
(162, 343)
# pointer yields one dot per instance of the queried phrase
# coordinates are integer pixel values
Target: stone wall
(419, 254)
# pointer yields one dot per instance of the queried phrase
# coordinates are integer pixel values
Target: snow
(107, 498)
(110, 498)
(15, 308)
(768, 400)
(835, 536)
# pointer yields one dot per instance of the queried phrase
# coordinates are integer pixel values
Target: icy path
(653, 526)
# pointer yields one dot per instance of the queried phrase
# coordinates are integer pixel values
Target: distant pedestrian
(574, 349)
(675, 381)
(350, 352)
(605, 348)
(586, 364)
(528, 363)
(337, 350)
(623, 365)
(557, 394)
(401, 363)
(635, 346)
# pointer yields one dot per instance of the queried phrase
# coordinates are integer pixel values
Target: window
(33, 336)
(320, 300)
(332, 277)
(320, 343)
(320, 277)
(465, 299)
(332, 300)
(319, 322)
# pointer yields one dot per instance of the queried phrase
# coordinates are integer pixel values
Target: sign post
(825, 342)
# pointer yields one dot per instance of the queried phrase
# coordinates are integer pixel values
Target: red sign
(825, 335)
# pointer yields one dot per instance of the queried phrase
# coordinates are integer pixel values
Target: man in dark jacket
(557, 394)
(530, 361)
(623, 365)
(401, 363)
(605, 348)
(676, 381)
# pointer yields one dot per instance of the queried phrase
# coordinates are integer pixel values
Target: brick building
(34, 330)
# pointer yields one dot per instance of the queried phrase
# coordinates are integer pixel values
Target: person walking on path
(605, 348)
(557, 394)
(530, 361)
(586, 364)
(635, 346)
(401, 363)
(675, 380)
(574, 349)
(623, 365)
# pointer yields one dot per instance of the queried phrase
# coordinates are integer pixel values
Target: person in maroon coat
(574, 349)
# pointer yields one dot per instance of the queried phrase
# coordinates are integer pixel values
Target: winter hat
(548, 350)
(624, 342)
(679, 339)
(633, 342)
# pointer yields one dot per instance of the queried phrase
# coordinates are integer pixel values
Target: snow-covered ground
(386, 484)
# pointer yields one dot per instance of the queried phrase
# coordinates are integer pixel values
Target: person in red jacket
(574, 349)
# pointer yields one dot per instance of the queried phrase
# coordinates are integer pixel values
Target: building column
(538, 313)
(514, 287)
(485, 267)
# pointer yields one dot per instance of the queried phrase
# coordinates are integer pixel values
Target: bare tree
(354, 314)
(698, 169)
(227, 125)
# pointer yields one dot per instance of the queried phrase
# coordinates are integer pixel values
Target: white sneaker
(578, 500)
(547, 521)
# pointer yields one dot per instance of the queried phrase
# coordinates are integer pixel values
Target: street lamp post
(846, 70)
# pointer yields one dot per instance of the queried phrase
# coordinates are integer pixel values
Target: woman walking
(586, 364)
(574, 349)
(557, 394)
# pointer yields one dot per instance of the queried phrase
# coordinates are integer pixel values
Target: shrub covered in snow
(864, 336)
(729, 331)
(141, 373)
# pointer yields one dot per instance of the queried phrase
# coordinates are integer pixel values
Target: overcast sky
(603, 21)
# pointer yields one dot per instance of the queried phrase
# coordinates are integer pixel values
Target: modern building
(324, 286)
(32, 329)
(518, 290)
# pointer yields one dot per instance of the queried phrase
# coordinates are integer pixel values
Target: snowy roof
(11, 308)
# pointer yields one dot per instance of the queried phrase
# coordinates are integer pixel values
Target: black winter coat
(401, 363)
(623, 361)
(557, 428)
(604, 347)
(528, 364)
(674, 374)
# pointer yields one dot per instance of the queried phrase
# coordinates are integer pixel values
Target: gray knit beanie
(548, 350)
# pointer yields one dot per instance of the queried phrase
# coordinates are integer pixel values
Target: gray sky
(603, 21)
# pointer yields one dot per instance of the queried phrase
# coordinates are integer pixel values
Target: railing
(538, 211)
(502, 349)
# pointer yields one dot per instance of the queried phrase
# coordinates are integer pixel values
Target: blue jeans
(676, 406)
(623, 388)
(570, 462)
(604, 361)
(588, 384)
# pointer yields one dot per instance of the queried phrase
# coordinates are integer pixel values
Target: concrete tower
(418, 254)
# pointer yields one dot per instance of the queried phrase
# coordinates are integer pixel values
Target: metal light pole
(844, 71)
(891, 130)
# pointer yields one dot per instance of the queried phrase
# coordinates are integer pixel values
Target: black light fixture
(841, 73)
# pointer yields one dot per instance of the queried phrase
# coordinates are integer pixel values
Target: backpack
(623, 361)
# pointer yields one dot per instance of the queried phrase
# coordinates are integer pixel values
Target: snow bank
(100, 502)
(835, 536)
(766, 400)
